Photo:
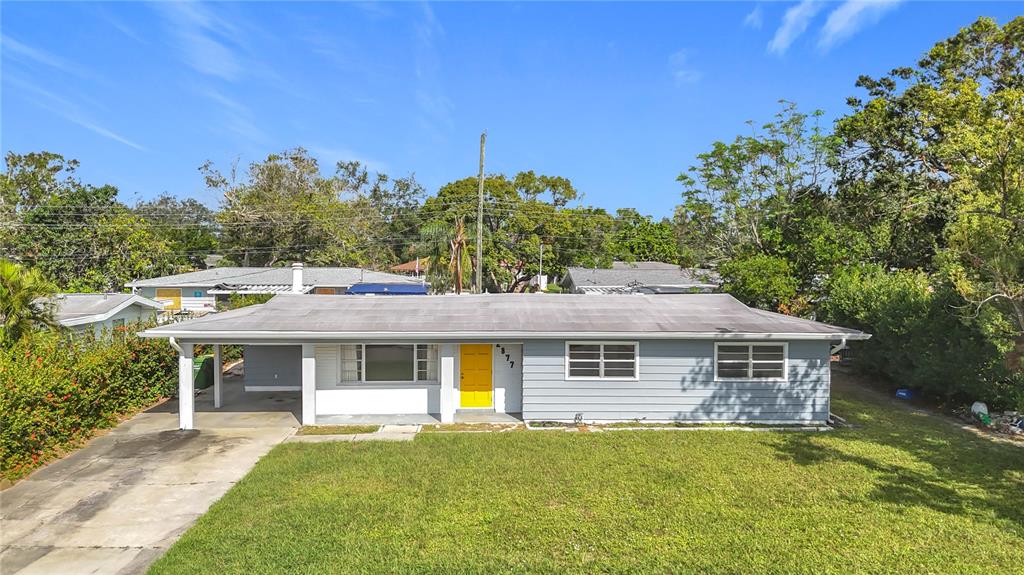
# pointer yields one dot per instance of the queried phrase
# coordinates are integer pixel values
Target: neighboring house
(640, 277)
(683, 357)
(99, 312)
(198, 292)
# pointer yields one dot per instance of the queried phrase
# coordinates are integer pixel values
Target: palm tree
(26, 302)
(448, 262)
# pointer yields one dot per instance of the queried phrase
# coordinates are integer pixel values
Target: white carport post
(186, 388)
(217, 375)
(308, 384)
(447, 368)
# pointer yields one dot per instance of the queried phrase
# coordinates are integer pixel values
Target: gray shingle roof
(273, 276)
(643, 274)
(312, 317)
(71, 306)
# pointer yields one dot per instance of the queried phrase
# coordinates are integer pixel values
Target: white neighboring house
(641, 277)
(198, 292)
(103, 312)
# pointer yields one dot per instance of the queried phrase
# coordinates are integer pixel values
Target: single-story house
(199, 291)
(680, 357)
(640, 277)
(103, 312)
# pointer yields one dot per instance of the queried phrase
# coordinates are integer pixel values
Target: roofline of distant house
(186, 334)
(135, 299)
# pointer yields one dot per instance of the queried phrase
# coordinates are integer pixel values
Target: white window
(374, 362)
(601, 360)
(750, 361)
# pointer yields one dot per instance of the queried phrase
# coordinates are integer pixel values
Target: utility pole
(540, 274)
(480, 221)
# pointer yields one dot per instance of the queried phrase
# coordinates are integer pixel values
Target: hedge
(925, 337)
(57, 392)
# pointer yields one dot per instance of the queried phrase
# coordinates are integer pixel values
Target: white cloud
(71, 112)
(681, 68)
(330, 156)
(25, 53)
(205, 39)
(850, 17)
(754, 19)
(434, 106)
(237, 118)
(794, 23)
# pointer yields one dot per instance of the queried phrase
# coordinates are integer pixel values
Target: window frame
(750, 361)
(361, 361)
(601, 361)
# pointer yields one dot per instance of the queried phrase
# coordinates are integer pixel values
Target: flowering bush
(56, 392)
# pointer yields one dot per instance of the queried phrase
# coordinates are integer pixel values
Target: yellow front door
(475, 375)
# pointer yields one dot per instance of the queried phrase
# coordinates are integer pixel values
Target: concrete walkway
(120, 502)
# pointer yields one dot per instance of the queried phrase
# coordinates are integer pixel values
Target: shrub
(922, 335)
(56, 393)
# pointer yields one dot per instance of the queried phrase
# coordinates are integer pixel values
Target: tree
(448, 263)
(761, 281)
(765, 194)
(639, 238)
(187, 227)
(26, 302)
(940, 150)
(78, 235)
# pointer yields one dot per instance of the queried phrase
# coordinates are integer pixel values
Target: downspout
(175, 345)
(838, 348)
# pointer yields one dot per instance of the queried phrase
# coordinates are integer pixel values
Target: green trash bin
(202, 371)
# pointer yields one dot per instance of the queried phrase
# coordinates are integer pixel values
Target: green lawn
(902, 493)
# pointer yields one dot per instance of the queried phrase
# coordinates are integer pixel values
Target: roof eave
(392, 335)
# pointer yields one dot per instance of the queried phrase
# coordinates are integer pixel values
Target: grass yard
(901, 493)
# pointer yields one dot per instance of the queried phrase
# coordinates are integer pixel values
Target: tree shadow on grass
(951, 468)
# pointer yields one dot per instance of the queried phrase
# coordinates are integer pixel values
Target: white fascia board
(146, 302)
(310, 336)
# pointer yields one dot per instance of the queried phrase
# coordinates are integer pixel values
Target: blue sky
(618, 97)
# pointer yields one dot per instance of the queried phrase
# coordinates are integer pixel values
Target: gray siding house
(542, 357)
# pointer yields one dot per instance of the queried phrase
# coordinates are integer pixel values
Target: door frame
(490, 349)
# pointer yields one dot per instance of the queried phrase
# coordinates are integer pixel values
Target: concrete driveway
(120, 502)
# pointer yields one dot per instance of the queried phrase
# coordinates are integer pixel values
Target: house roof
(623, 274)
(83, 308)
(413, 266)
(324, 318)
(231, 276)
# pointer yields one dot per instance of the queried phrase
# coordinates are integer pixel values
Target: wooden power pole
(480, 221)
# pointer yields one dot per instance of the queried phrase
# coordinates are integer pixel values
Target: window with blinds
(750, 361)
(601, 360)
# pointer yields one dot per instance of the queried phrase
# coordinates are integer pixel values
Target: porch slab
(487, 417)
(399, 419)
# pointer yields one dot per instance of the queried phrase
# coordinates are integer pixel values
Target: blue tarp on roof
(387, 289)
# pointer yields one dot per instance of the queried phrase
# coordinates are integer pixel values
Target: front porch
(375, 383)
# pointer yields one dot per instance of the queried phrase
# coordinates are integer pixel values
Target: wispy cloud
(330, 156)
(70, 111)
(434, 106)
(794, 24)
(754, 19)
(682, 69)
(850, 17)
(27, 54)
(237, 118)
(207, 41)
